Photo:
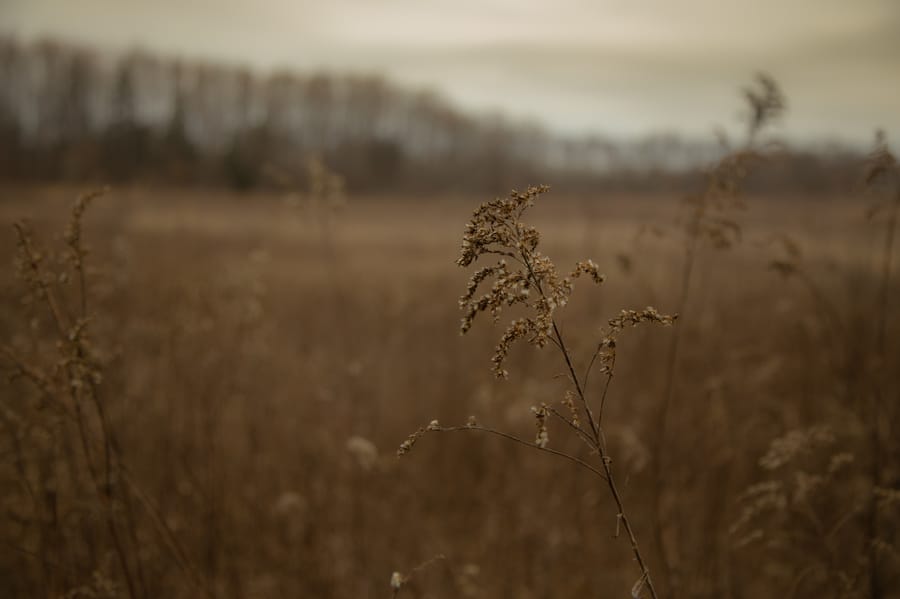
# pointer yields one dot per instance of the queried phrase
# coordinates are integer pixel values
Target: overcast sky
(614, 66)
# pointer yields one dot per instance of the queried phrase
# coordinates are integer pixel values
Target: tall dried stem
(708, 221)
(534, 283)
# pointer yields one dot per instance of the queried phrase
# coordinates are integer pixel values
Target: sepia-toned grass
(259, 368)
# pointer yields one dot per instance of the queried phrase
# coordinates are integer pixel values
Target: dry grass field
(259, 360)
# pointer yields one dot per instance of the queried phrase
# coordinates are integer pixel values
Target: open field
(262, 360)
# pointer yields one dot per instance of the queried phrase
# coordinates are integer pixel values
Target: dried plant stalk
(523, 276)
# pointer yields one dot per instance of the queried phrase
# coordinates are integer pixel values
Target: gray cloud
(622, 67)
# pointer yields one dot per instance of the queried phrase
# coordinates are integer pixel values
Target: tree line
(70, 113)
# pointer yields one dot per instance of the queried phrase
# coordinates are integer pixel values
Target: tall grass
(201, 404)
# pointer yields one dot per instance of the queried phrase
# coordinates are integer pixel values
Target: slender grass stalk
(882, 166)
(497, 229)
(707, 222)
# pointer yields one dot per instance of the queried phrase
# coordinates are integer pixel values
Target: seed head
(522, 275)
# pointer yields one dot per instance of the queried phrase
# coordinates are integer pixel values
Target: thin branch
(609, 377)
(479, 428)
(587, 372)
(578, 430)
(595, 427)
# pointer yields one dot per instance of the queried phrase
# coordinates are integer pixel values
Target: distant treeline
(72, 114)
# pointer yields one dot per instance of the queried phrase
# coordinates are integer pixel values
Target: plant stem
(607, 464)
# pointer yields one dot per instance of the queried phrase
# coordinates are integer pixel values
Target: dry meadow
(259, 358)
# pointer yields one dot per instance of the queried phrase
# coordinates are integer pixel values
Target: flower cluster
(522, 275)
(433, 427)
(541, 437)
(606, 349)
(569, 402)
(411, 440)
(496, 228)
